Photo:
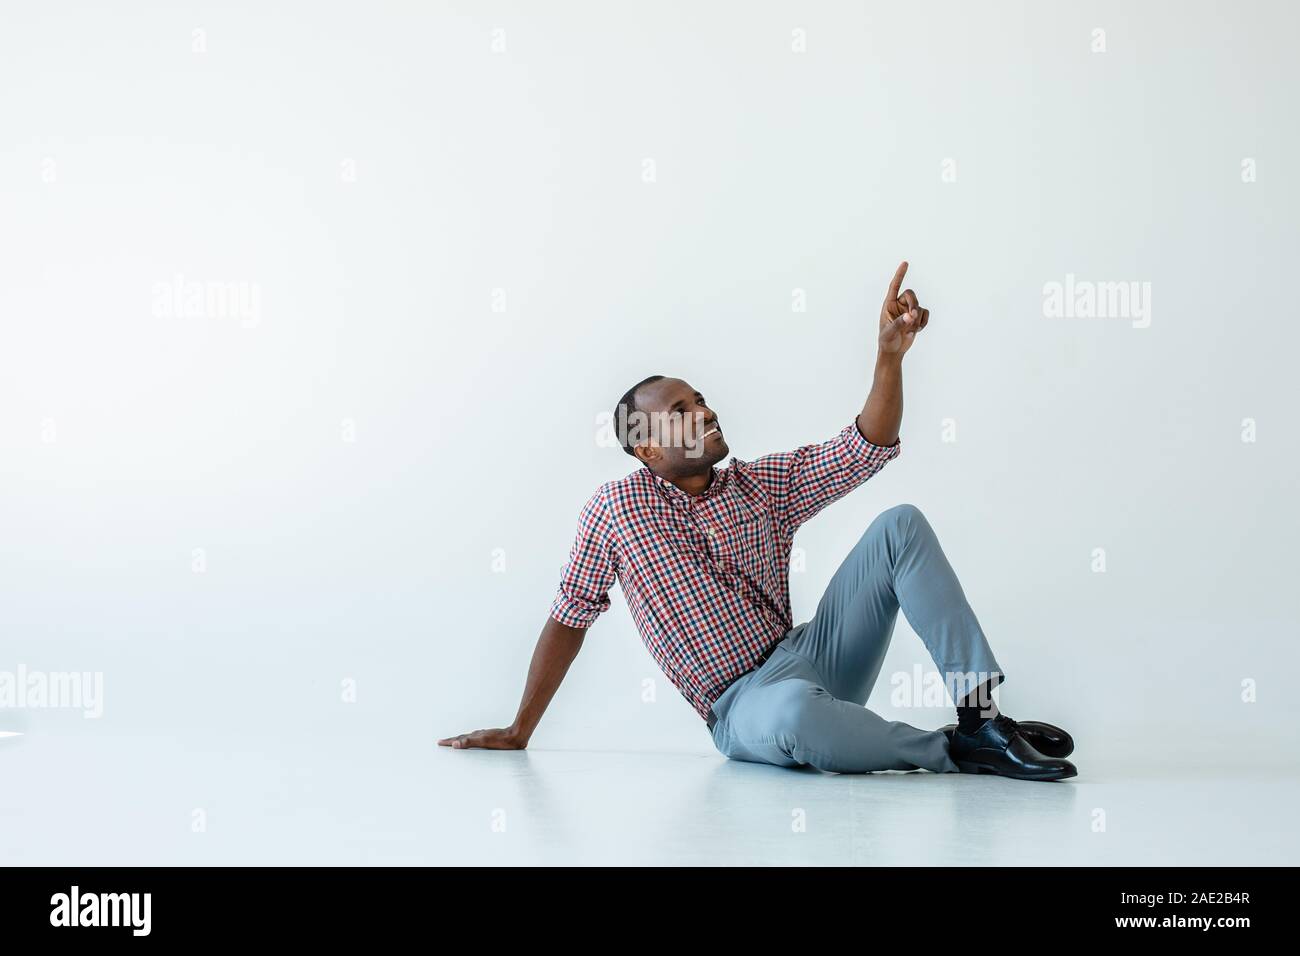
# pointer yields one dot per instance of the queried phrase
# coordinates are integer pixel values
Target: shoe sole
(967, 766)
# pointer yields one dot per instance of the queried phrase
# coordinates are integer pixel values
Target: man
(702, 556)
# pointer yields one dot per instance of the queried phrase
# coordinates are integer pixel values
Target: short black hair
(623, 410)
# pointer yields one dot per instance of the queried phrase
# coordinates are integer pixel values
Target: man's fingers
(897, 282)
(908, 300)
(494, 738)
(906, 325)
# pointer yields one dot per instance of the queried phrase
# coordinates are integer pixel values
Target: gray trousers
(805, 705)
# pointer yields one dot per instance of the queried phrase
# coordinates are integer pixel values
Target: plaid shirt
(707, 577)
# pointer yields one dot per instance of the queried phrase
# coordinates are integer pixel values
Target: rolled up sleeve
(585, 582)
(804, 481)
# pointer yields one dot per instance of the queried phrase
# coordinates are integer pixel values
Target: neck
(694, 484)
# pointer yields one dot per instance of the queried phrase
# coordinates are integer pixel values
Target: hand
(499, 738)
(901, 317)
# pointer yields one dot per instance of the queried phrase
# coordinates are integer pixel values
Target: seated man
(703, 555)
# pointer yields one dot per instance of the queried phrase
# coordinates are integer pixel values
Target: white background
(128, 158)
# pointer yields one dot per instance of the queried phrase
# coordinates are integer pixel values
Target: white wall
(128, 158)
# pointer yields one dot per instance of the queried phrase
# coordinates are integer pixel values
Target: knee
(903, 514)
(898, 518)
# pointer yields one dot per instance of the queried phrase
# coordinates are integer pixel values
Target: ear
(648, 453)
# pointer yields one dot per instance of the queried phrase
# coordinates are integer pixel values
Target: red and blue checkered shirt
(706, 577)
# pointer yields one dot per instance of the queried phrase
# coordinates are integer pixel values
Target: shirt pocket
(750, 540)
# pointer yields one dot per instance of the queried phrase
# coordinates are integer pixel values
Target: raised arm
(901, 317)
(806, 480)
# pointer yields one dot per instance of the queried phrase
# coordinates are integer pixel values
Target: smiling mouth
(712, 431)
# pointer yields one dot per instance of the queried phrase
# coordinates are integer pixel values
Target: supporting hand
(498, 738)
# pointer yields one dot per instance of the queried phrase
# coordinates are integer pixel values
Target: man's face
(685, 438)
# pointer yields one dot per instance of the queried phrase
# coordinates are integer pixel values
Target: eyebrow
(680, 402)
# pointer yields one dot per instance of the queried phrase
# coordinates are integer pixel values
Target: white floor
(74, 800)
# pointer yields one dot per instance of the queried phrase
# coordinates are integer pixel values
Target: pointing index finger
(897, 282)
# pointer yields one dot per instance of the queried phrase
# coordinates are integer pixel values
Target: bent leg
(897, 562)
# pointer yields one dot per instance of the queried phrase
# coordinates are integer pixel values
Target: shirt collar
(717, 482)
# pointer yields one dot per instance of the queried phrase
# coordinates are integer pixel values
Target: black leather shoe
(997, 747)
(1048, 739)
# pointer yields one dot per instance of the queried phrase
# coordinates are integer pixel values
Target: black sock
(976, 708)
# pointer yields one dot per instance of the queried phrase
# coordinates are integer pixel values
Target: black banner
(334, 906)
